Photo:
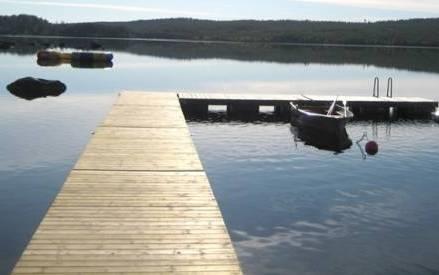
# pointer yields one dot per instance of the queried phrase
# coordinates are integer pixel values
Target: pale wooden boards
(140, 149)
(142, 132)
(137, 202)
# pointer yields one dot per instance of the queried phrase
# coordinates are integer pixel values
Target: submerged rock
(30, 88)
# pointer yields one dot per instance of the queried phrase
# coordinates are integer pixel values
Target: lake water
(289, 207)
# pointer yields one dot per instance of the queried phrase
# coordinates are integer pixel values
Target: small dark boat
(337, 142)
(30, 88)
(322, 128)
(331, 121)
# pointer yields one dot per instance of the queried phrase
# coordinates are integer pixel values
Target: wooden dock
(137, 202)
(362, 106)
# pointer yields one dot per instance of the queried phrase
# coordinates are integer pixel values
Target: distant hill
(414, 32)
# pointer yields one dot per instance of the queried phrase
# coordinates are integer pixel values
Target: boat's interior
(338, 110)
(323, 110)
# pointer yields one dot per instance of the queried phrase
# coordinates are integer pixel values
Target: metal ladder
(376, 87)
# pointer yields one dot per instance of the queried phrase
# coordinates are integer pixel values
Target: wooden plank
(98, 263)
(138, 201)
(180, 241)
(159, 269)
(127, 258)
(137, 164)
(147, 98)
(150, 133)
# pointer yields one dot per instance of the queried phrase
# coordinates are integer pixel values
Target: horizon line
(365, 21)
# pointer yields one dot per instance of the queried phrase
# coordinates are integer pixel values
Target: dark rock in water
(61, 44)
(30, 88)
(95, 46)
(5, 45)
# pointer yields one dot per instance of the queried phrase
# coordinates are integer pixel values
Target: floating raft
(138, 201)
(76, 59)
(81, 57)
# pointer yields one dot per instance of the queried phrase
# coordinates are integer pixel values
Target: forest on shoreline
(413, 32)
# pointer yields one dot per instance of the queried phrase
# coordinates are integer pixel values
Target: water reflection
(74, 64)
(400, 58)
(317, 214)
(94, 65)
(336, 142)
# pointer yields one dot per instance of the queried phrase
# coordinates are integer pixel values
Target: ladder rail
(389, 87)
(376, 87)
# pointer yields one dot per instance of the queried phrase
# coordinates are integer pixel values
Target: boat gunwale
(349, 113)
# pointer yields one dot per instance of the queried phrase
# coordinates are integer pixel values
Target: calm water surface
(294, 209)
(290, 208)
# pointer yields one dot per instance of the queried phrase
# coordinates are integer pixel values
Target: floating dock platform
(137, 202)
(362, 106)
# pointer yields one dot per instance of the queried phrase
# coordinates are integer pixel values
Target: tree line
(413, 32)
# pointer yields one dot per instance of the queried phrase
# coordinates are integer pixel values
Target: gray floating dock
(137, 202)
(197, 103)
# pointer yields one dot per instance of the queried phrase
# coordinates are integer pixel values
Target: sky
(116, 10)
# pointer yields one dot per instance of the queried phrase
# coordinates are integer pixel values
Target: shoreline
(168, 40)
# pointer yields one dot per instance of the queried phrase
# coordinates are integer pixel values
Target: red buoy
(371, 148)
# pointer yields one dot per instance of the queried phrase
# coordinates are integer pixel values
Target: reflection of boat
(30, 88)
(336, 142)
(332, 121)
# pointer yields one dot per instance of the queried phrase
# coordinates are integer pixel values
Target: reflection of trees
(399, 58)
